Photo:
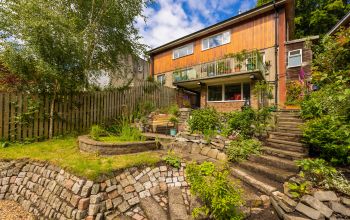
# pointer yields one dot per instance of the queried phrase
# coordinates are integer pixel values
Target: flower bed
(87, 144)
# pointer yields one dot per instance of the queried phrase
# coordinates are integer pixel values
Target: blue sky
(168, 20)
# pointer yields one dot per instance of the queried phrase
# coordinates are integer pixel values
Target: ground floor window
(229, 92)
(161, 79)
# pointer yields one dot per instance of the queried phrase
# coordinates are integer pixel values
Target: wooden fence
(27, 117)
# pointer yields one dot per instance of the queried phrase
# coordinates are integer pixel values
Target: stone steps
(285, 136)
(177, 208)
(290, 130)
(261, 183)
(289, 119)
(276, 174)
(152, 209)
(275, 161)
(286, 145)
(290, 155)
(293, 125)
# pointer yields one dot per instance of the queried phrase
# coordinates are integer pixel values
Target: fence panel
(23, 116)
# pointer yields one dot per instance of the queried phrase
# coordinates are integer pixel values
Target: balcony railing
(250, 62)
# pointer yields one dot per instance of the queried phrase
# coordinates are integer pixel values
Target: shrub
(172, 160)
(240, 149)
(249, 121)
(96, 132)
(321, 174)
(297, 190)
(219, 195)
(329, 138)
(129, 133)
(204, 119)
(294, 93)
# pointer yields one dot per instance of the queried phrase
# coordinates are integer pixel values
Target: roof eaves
(346, 18)
(217, 26)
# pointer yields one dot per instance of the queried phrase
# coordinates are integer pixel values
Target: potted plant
(174, 121)
(239, 58)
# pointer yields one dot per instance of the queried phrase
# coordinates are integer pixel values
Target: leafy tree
(316, 17)
(57, 46)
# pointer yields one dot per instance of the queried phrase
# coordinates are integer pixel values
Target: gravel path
(10, 210)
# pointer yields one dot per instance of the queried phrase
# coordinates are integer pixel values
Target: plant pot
(173, 131)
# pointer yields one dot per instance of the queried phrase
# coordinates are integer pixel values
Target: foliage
(173, 160)
(174, 110)
(297, 190)
(220, 196)
(143, 109)
(249, 121)
(241, 149)
(316, 17)
(328, 109)
(294, 93)
(209, 134)
(262, 89)
(329, 137)
(126, 132)
(64, 152)
(96, 132)
(321, 174)
(173, 119)
(204, 119)
(62, 46)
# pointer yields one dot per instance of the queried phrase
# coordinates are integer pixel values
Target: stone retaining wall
(87, 144)
(52, 193)
(196, 144)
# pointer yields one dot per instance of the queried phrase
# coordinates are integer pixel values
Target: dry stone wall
(52, 193)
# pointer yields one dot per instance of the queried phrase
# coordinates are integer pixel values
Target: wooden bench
(161, 124)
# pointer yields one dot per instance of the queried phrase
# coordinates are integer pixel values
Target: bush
(172, 160)
(321, 174)
(294, 93)
(96, 132)
(221, 197)
(204, 119)
(240, 149)
(329, 138)
(249, 121)
(129, 133)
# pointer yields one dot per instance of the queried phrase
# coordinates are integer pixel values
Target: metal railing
(251, 62)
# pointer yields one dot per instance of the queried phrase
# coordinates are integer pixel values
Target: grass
(64, 152)
(118, 139)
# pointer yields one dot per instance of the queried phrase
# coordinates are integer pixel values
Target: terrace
(230, 65)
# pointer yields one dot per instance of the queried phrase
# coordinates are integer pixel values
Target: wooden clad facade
(256, 33)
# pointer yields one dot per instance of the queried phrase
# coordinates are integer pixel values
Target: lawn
(64, 152)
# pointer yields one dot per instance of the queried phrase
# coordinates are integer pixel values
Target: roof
(316, 37)
(218, 26)
(345, 20)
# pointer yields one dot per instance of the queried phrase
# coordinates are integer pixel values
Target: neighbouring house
(344, 22)
(220, 65)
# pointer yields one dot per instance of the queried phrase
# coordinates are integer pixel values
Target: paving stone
(117, 201)
(133, 201)
(177, 208)
(308, 211)
(93, 209)
(152, 209)
(213, 153)
(205, 150)
(291, 217)
(83, 203)
(326, 196)
(316, 204)
(345, 201)
(139, 187)
(339, 208)
(285, 198)
(123, 206)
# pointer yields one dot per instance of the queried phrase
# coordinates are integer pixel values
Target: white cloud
(171, 21)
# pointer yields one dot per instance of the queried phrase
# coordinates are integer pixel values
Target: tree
(56, 46)
(316, 17)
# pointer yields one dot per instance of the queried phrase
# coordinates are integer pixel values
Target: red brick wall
(281, 59)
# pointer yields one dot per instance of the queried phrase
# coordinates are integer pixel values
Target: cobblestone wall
(52, 193)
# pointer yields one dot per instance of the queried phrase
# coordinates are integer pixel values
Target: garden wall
(27, 117)
(52, 193)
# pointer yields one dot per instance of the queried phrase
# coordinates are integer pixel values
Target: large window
(295, 58)
(215, 93)
(183, 51)
(216, 40)
(229, 92)
(161, 79)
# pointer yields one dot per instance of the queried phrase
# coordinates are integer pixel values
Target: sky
(167, 20)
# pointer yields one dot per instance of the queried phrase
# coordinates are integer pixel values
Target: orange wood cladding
(257, 33)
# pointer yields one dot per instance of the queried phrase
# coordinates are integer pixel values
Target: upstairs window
(161, 79)
(295, 58)
(216, 40)
(183, 51)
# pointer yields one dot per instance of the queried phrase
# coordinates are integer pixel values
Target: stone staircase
(275, 165)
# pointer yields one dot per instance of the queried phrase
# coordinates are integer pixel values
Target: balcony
(231, 65)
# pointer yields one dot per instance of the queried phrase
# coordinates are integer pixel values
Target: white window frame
(301, 57)
(213, 36)
(191, 45)
(223, 92)
(161, 82)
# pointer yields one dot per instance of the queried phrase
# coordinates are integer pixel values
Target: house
(220, 66)
(344, 22)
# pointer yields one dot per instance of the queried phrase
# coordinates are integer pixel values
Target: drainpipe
(276, 53)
